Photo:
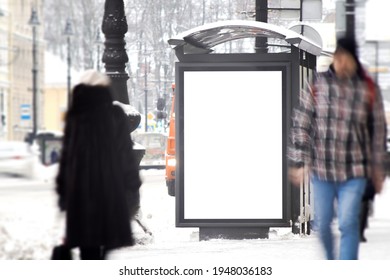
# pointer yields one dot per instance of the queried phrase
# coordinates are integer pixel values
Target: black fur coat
(98, 174)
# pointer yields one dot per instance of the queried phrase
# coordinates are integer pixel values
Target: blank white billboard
(233, 158)
(377, 20)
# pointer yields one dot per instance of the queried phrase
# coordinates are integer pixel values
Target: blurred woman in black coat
(98, 175)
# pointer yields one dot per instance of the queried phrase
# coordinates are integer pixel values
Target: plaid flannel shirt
(337, 130)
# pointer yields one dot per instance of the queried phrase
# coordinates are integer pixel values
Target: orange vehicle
(170, 154)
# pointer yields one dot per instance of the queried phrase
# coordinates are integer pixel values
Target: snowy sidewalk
(281, 245)
(177, 243)
(30, 225)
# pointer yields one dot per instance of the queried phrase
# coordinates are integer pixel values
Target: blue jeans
(348, 195)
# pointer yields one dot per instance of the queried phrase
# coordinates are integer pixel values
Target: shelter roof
(203, 38)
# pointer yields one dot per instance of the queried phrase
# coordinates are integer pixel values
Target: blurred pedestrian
(98, 175)
(53, 156)
(338, 131)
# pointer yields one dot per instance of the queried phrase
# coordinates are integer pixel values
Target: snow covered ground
(176, 243)
(30, 225)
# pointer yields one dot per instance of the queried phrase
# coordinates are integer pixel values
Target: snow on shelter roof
(201, 39)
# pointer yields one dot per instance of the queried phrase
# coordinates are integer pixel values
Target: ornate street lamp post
(34, 22)
(114, 27)
(68, 33)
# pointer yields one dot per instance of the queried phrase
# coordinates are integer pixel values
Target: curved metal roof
(308, 31)
(203, 38)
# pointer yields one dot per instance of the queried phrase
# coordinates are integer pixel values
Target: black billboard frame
(288, 63)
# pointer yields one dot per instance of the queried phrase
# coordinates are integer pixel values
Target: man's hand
(296, 175)
(378, 179)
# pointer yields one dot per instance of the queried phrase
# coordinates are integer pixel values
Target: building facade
(16, 75)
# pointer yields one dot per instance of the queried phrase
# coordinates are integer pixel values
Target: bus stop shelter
(233, 114)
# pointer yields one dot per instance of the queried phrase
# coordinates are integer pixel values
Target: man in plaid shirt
(338, 132)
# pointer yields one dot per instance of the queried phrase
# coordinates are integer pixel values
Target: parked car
(154, 144)
(18, 158)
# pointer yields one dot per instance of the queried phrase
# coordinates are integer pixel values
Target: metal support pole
(98, 43)
(261, 15)
(34, 23)
(98, 58)
(350, 18)
(69, 77)
(146, 96)
(68, 33)
(376, 62)
(35, 82)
